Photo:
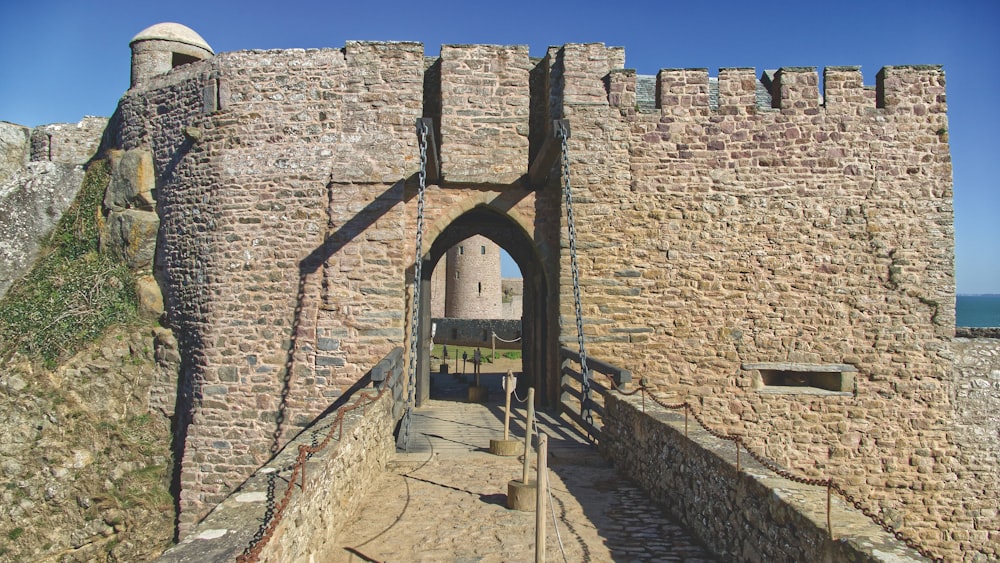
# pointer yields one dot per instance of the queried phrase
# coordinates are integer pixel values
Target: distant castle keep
(469, 285)
(780, 257)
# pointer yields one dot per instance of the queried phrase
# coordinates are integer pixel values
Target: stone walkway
(445, 500)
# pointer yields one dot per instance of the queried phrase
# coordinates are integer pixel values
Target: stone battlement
(792, 90)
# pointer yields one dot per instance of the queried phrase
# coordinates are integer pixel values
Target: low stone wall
(977, 332)
(976, 404)
(746, 515)
(336, 480)
(477, 332)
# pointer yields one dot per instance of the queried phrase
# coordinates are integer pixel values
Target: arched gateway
(540, 342)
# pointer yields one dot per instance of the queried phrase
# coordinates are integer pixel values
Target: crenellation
(843, 90)
(796, 90)
(622, 89)
(916, 89)
(583, 68)
(737, 91)
(682, 92)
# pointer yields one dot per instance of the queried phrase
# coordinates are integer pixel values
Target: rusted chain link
(773, 466)
(275, 511)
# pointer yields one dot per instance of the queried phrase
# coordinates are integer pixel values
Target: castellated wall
(715, 238)
(716, 235)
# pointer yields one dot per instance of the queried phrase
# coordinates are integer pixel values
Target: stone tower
(473, 280)
(160, 48)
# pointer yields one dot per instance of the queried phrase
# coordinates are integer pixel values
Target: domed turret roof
(169, 31)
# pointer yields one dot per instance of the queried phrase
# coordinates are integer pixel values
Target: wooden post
(527, 433)
(520, 495)
(509, 387)
(506, 447)
(542, 491)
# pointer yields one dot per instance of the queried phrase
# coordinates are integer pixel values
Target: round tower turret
(165, 46)
(474, 292)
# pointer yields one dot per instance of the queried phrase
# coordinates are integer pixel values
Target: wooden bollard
(529, 426)
(541, 493)
(521, 494)
(506, 446)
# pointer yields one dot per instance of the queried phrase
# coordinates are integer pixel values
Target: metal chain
(275, 509)
(417, 274)
(585, 410)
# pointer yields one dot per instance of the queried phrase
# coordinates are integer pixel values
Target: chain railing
(740, 442)
(275, 508)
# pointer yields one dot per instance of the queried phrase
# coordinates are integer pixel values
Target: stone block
(133, 181)
(130, 235)
(149, 295)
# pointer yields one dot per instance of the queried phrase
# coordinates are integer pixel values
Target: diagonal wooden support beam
(547, 157)
(433, 158)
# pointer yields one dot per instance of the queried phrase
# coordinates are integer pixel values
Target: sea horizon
(977, 310)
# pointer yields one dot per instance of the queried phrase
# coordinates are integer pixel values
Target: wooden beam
(541, 167)
(433, 158)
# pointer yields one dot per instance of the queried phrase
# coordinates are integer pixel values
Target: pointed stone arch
(480, 215)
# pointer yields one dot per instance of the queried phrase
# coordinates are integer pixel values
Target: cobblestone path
(446, 501)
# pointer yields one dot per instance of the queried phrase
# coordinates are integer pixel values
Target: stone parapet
(478, 332)
(335, 482)
(741, 510)
(68, 143)
(484, 113)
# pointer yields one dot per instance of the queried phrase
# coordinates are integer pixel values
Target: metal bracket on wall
(433, 158)
(541, 167)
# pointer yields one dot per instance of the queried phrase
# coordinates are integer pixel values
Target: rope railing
(297, 479)
(830, 485)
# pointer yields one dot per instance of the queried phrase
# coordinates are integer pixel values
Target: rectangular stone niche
(804, 379)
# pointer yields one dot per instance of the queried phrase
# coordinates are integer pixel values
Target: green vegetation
(73, 293)
(456, 351)
(15, 533)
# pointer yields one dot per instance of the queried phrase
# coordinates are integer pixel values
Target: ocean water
(977, 310)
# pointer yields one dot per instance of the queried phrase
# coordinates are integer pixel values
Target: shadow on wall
(332, 244)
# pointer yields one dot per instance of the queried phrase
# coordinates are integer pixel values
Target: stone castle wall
(281, 243)
(806, 233)
(714, 234)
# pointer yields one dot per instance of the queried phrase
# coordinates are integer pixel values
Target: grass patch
(73, 293)
(456, 351)
(15, 533)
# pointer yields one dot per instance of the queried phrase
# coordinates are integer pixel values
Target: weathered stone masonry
(715, 234)
(263, 203)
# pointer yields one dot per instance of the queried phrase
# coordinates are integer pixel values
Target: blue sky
(61, 60)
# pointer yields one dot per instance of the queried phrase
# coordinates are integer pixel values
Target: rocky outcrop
(41, 171)
(85, 456)
(14, 150)
(131, 223)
